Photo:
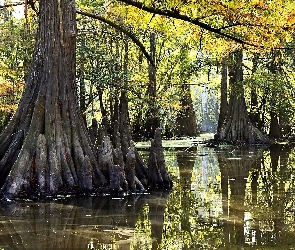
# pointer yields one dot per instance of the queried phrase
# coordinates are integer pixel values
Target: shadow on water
(231, 198)
(83, 223)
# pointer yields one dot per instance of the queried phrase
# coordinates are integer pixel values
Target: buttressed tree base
(46, 149)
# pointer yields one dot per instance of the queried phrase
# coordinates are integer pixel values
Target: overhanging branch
(176, 15)
(11, 5)
(120, 28)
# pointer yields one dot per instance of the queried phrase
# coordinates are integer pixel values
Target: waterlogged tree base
(158, 176)
(116, 177)
(46, 149)
(238, 127)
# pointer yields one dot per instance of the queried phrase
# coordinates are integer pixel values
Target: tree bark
(46, 148)
(186, 124)
(223, 95)
(152, 114)
(238, 127)
(157, 172)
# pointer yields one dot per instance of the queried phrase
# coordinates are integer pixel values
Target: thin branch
(11, 5)
(230, 26)
(120, 28)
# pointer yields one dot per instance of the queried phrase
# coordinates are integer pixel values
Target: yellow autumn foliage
(9, 96)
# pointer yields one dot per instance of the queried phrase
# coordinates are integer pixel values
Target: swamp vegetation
(88, 92)
(83, 82)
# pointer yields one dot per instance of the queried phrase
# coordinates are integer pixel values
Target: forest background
(190, 44)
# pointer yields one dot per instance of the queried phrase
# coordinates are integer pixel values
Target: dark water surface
(231, 198)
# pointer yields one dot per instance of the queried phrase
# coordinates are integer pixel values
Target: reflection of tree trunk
(186, 163)
(254, 186)
(75, 223)
(279, 155)
(186, 124)
(235, 166)
(156, 210)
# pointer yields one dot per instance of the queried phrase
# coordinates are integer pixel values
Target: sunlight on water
(234, 198)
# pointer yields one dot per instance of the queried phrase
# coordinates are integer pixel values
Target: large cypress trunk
(46, 148)
(238, 127)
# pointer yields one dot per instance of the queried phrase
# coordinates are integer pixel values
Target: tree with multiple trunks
(254, 24)
(46, 148)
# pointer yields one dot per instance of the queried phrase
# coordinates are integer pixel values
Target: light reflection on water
(235, 198)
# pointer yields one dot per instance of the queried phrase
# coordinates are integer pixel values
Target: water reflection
(234, 198)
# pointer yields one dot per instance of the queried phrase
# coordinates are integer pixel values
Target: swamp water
(231, 198)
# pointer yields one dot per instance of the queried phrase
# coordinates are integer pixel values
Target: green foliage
(16, 49)
(185, 53)
(276, 91)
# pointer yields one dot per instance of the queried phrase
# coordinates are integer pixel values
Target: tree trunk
(186, 124)
(124, 125)
(157, 172)
(238, 127)
(275, 131)
(223, 95)
(274, 68)
(254, 109)
(46, 148)
(152, 114)
(82, 86)
(124, 122)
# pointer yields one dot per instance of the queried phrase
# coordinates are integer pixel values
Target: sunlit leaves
(276, 91)
(16, 47)
(9, 95)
